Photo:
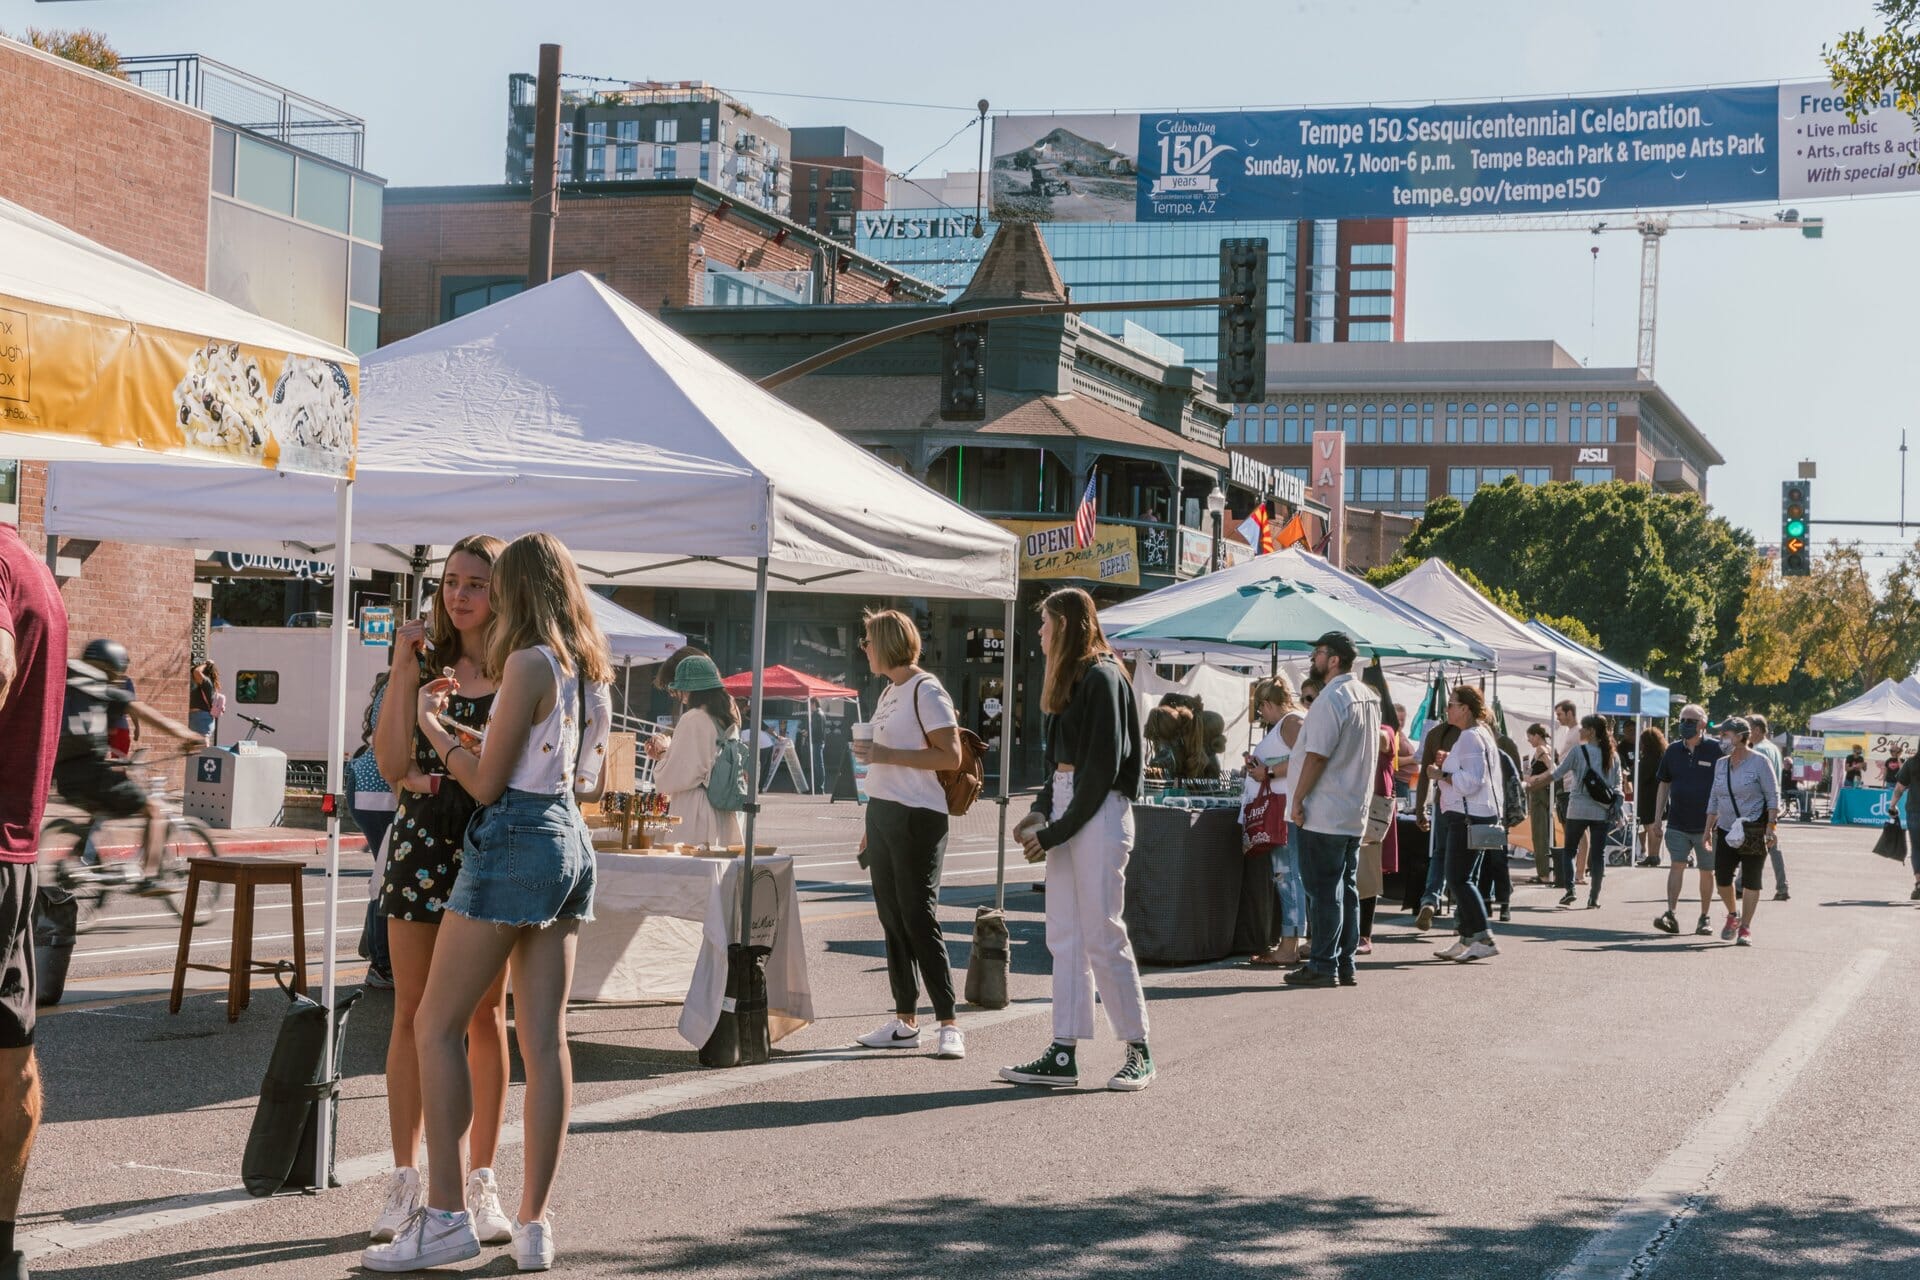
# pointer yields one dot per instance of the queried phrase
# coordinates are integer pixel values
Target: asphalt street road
(1555, 1111)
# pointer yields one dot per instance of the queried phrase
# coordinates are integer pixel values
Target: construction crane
(1653, 228)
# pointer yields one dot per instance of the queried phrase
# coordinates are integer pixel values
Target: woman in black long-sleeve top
(1082, 824)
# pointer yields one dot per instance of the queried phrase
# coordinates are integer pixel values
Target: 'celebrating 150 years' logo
(1187, 153)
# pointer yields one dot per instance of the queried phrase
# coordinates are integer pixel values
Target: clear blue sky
(1777, 347)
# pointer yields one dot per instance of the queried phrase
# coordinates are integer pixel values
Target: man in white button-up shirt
(1339, 754)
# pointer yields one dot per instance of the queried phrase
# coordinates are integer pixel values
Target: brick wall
(131, 170)
(652, 248)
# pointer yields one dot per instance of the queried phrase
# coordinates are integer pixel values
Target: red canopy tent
(787, 685)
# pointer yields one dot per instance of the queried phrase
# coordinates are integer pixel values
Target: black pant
(1496, 877)
(1463, 874)
(905, 849)
(1596, 854)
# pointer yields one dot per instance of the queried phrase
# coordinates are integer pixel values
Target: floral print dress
(423, 851)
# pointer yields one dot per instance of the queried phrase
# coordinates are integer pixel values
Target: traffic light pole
(978, 315)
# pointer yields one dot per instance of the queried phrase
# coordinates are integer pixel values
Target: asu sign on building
(1047, 552)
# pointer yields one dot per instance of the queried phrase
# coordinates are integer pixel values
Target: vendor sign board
(1047, 551)
(1660, 150)
(1809, 761)
(72, 375)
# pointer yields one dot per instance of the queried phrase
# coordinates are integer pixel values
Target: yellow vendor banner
(72, 375)
(1047, 551)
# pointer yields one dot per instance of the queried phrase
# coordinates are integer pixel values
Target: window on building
(1390, 430)
(706, 128)
(1370, 255)
(626, 160)
(1370, 305)
(1535, 475)
(1553, 430)
(1290, 430)
(1370, 280)
(460, 295)
(1413, 486)
(1369, 431)
(1271, 432)
(1574, 430)
(1613, 429)
(1494, 475)
(1426, 429)
(1298, 473)
(1470, 430)
(596, 149)
(1532, 435)
(666, 161)
(1233, 431)
(1592, 475)
(1510, 430)
(1453, 430)
(1351, 471)
(1376, 486)
(1462, 481)
(666, 131)
(1369, 331)
(263, 175)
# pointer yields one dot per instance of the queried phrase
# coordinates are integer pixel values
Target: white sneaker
(950, 1043)
(403, 1197)
(490, 1222)
(1478, 951)
(1454, 952)
(894, 1035)
(430, 1238)
(533, 1245)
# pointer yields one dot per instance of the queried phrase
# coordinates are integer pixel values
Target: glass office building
(1101, 261)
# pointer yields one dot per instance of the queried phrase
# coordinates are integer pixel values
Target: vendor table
(1862, 806)
(1183, 884)
(661, 928)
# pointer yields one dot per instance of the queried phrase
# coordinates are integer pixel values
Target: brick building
(117, 179)
(450, 250)
(1422, 419)
(286, 232)
(837, 174)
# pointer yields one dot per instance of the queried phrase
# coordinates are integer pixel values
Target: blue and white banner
(1559, 155)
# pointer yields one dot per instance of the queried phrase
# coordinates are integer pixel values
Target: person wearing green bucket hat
(685, 758)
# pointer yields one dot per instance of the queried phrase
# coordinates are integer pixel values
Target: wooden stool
(243, 872)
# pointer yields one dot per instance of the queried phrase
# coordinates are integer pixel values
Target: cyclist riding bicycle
(82, 768)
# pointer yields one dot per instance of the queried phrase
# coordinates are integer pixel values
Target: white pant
(1086, 889)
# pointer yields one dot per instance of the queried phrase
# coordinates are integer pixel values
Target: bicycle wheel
(67, 850)
(189, 838)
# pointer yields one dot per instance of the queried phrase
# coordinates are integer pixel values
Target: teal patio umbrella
(1275, 613)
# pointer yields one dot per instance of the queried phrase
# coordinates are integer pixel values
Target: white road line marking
(65, 1238)
(197, 942)
(161, 1168)
(1630, 1246)
(259, 908)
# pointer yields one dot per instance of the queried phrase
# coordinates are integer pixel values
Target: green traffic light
(1796, 528)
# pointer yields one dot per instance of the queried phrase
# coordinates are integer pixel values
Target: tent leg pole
(752, 735)
(1006, 754)
(336, 753)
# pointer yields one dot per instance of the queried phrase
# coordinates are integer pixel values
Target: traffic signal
(1796, 542)
(1243, 322)
(963, 373)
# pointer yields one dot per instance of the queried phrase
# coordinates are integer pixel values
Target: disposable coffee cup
(862, 732)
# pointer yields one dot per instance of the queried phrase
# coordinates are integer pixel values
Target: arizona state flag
(1257, 529)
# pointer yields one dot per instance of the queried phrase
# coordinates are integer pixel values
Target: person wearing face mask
(1742, 811)
(1680, 813)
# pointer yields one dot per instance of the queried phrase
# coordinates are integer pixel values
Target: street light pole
(1217, 508)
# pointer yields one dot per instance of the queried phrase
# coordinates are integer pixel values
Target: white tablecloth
(661, 928)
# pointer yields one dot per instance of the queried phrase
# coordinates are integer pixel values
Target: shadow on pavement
(216, 1259)
(746, 1117)
(1225, 1235)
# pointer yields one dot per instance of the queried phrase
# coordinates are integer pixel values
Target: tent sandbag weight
(987, 962)
(280, 1153)
(742, 1038)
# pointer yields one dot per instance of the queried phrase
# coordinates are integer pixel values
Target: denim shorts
(527, 860)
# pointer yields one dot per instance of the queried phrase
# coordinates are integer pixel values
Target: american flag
(1083, 518)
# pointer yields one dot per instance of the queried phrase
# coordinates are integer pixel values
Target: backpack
(1513, 796)
(727, 784)
(963, 785)
(1598, 789)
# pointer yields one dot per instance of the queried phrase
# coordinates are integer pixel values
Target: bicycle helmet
(109, 655)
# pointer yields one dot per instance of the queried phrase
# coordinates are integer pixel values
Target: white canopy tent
(1889, 707)
(1531, 672)
(568, 409)
(635, 640)
(115, 365)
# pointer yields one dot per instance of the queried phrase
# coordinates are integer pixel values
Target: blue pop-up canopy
(1622, 692)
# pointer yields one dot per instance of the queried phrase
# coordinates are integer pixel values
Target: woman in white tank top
(524, 887)
(1270, 764)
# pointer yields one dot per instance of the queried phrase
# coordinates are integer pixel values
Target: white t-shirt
(894, 725)
(1343, 725)
(1273, 749)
